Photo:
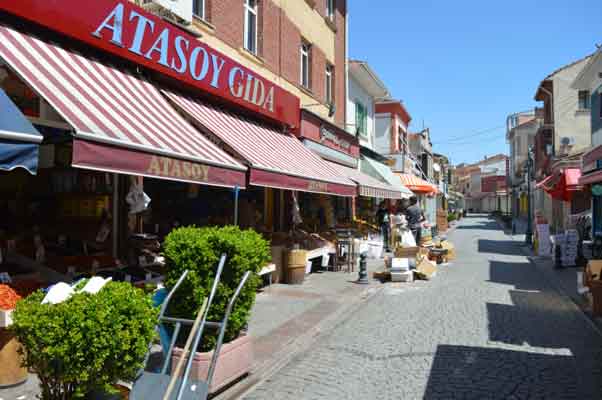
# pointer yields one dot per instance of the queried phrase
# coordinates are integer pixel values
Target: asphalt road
(490, 326)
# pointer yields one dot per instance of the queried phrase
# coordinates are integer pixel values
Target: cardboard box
(593, 271)
(407, 276)
(427, 268)
(400, 264)
(406, 252)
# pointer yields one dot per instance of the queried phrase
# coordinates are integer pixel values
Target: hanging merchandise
(297, 220)
(137, 199)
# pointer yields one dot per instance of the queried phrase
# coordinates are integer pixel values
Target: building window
(361, 119)
(251, 26)
(584, 103)
(330, 9)
(329, 84)
(305, 65)
(198, 9)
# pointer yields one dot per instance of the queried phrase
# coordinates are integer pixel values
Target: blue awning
(19, 140)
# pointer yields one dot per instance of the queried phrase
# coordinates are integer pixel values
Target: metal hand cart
(158, 385)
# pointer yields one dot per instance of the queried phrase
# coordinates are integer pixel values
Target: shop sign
(328, 135)
(315, 186)
(128, 31)
(174, 168)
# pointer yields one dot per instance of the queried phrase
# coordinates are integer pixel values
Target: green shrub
(198, 250)
(87, 342)
(451, 217)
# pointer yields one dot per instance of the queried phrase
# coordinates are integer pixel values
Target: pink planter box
(235, 360)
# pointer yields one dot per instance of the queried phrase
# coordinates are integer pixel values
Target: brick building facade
(282, 27)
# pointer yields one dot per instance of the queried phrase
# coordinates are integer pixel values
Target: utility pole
(529, 232)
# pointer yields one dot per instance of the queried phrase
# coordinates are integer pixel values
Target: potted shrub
(198, 250)
(86, 343)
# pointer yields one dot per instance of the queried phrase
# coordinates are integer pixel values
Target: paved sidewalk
(563, 279)
(490, 326)
(283, 317)
(287, 318)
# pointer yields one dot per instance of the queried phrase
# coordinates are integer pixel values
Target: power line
(471, 142)
(464, 137)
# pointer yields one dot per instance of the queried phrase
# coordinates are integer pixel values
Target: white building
(365, 87)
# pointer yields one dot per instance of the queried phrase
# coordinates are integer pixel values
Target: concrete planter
(234, 361)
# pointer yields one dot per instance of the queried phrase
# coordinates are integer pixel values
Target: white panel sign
(181, 8)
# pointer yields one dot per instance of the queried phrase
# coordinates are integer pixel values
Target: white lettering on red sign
(193, 59)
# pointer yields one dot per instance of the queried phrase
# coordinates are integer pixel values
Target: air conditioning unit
(567, 141)
(180, 8)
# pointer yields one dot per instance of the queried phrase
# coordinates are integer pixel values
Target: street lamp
(529, 232)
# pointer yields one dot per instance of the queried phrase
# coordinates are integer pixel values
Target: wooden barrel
(296, 261)
(11, 372)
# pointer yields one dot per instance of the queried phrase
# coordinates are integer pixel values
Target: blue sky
(463, 66)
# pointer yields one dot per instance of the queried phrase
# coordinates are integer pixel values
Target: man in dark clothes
(382, 218)
(415, 217)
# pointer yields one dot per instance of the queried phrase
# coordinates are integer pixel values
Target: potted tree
(198, 250)
(87, 343)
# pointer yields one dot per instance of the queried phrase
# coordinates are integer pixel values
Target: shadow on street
(505, 247)
(486, 373)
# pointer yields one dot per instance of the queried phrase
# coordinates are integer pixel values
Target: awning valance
(562, 184)
(122, 123)
(277, 160)
(19, 140)
(417, 185)
(367, 185)
(374, 168)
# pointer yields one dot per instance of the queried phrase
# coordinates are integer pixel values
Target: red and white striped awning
(367, 185)
(122, 123)
(277, 160)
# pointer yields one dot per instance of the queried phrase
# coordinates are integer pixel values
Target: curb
(554, 283)
(296, 346)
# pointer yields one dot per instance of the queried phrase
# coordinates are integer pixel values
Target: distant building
(483, 184)
(560, 141)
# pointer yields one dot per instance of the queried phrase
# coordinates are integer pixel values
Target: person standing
(415, 218)
(383, 221)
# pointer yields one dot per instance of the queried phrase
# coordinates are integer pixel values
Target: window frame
(329, 81)
(203, 14)
(361, 119)
(330, 8)
(583, 100)
(305, 64)
(248, 12)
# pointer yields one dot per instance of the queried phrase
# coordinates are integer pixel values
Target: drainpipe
(346, 64)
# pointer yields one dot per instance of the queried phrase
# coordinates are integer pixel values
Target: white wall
(569, 121)
(382, 133)
(356, 92)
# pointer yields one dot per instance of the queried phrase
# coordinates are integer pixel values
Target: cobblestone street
(490, 326)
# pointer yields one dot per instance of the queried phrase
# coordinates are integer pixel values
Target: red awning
(591, 178)
(417, 185)
(562, 184)
(367, 185)
(122, 123)
(277, 160)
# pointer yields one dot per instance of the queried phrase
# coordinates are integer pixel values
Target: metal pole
(363, 270)
(529, 232)
(236, 192)
(115, 215)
